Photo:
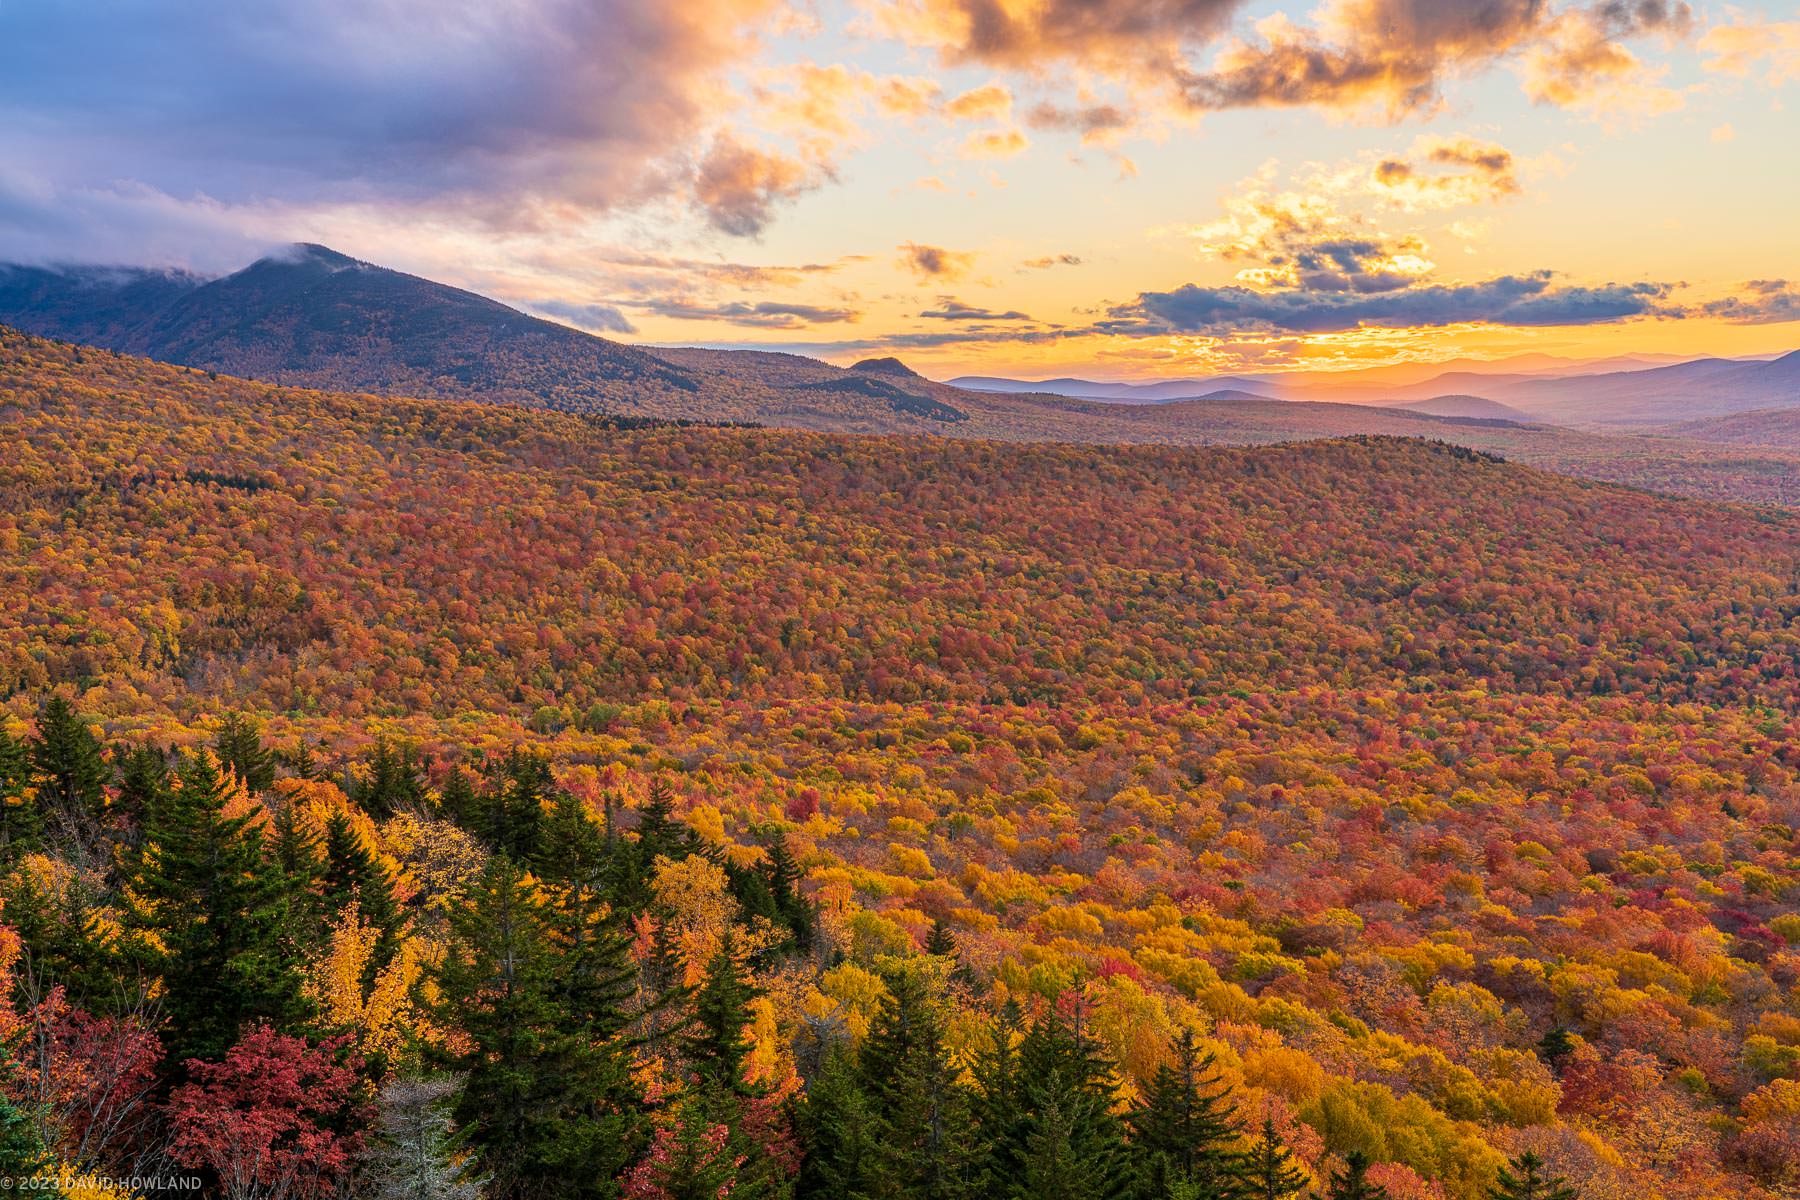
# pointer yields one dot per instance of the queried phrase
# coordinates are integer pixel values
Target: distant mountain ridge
(323, 319)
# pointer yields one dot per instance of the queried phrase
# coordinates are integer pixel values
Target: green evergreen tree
(143, 778)
(596, 974)
(21, 824)
(1057, 1164)
(240, 747)
(1000, 1102)
(1525, 1179)
(1067, 1112)
(1352, 1183)
(1183, 1127)
(509, 814)
(794, 910)
(552, 1112)
(209, 912)
(715, 1044)
(839, 1130)
(23, 1155)
(922, 1115)
(71, 771)
(353, 875)
(1267, 1170)
(393, 781)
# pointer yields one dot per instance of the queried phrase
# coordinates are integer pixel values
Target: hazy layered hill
(1478, 407)
(313, 317)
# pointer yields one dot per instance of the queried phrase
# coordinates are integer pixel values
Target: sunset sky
(1118, 188)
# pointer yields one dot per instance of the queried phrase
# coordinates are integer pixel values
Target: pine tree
(394, 782)
(922, 1119)
(940, 942)
(795, 911)
(715, 1045)
(1056, 1163)
(210, 912)
(1182, 1128)
(552, 1111)
(456, 799)
(1000, 1105)
(21, 824)
(840, 1132)
(414, 1154)
(596, 972)
(509, 815)
(72, 773)
(353, 875)
(1352, 1183)
(1267, 1171)
(240, 747)
(1067, 1110)
(298, 854)
(143, 778)
(1525, 1179)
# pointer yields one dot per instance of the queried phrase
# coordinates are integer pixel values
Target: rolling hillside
(315, 318)
(1447, 805)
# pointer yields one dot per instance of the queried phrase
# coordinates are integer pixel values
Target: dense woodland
(415, 799)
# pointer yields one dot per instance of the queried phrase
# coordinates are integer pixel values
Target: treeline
(206, 975)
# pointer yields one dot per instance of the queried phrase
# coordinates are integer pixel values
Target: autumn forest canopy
(417, 798)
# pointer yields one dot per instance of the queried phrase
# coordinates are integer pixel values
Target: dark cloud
(1052, 260)
(1523, 300)
(935, 262)
(738, 185)
(1027, 36)
(602, 317)
(1389, 53)
(761, 315)
(1094, 122)
(497, 114)
(951, 309)
(1763, 302)
(1395, 55)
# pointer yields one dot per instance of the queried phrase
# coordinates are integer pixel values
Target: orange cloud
(1739, 49)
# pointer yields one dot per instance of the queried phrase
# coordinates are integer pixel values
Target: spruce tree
(715, 1045)
(596, 973)
(552, 1111)
(209, 911)
(1525, 1179)
(795, 911)
(1068, 1095)
(509, 815)
(394, 781)
(143, 778)
(1000, 1105)
(1183, 1128)
(922, 1116)
(1057, 1164)
(240, 747)
(839, 1130)
(21, 824)
(1267, 1170)
(71, 771)
(1352, 1183)
(353, 875)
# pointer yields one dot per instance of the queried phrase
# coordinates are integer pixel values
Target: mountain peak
(886, 366)
(307, 254)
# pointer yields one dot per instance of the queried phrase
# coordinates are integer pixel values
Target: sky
(1113, 188)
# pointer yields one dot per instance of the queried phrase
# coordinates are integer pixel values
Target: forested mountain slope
(1434, 808)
